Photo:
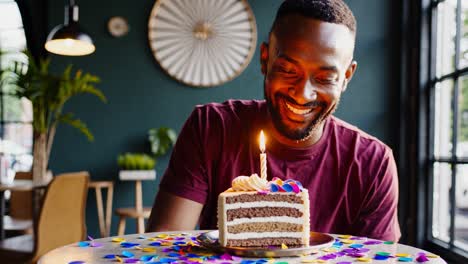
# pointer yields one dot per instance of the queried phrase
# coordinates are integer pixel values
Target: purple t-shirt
(351, 176)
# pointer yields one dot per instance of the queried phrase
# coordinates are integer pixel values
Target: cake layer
(262, 242)
(282, 219)
(247, 198)
(264, 227)
(249, 235)
(262, 212)
(263, 204)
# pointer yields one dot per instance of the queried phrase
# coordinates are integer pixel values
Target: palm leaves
(48, 93)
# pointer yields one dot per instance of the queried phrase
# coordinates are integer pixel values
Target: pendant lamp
(69, 39)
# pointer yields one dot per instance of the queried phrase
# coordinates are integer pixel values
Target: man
(307, 64)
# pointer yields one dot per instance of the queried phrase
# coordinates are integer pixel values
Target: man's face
(307, 65)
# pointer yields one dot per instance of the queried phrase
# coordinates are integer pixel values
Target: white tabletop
(179, 247)
(21, 185)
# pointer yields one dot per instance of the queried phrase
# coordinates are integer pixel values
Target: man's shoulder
(353, 135)
(232, 105)
(230, 109)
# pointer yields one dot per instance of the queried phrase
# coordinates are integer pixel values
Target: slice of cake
(258, 213)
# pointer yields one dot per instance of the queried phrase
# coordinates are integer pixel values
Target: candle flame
(262, 141)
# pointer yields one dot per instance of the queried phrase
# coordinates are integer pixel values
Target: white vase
(135, 175)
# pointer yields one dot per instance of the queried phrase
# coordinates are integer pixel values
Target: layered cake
(258, 213)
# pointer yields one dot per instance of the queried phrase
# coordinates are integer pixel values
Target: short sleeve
(186, 175)
(378, 217)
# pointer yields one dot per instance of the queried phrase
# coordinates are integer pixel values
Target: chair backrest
(21, 201)
(62, 216)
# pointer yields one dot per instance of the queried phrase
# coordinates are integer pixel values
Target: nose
(303, 93)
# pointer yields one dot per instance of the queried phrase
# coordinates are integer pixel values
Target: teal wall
(140, 96)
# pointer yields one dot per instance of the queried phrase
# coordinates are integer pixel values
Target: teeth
(298, 111)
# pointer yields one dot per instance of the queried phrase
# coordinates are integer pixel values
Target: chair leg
(121, 230)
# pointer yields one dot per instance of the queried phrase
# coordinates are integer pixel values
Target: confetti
(127, 254)
(389, 242)
(118, 239)
(146, 258)
(95, 244)
(226, 256)
(147, 249)
(83, 244)
(402, 255)
(345, 236)
(405, 259)
(283, 246)
(364, 259)
(372, 242)
(109, 256)
(422, 258)
(128, 244)
(347, 241)
(356, 246)
(385, 254)
(330, 250)
(328, 256)
(76, 262)
(344, 262)
(380, 257)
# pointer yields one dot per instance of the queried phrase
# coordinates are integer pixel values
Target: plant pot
(135, 175)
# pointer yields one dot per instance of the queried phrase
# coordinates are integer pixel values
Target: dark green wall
(141, 96)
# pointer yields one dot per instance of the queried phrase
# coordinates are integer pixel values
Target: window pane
(462, 147)
(446, 31)
(10, 16)
(461, 216)
(12, 39)
(464, 36)
(443, 119)
(16, 109)
(17, 138)
(441, 202)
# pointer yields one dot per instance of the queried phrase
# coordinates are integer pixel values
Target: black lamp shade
(69, 39)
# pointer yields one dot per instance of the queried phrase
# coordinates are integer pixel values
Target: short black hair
(331, 11)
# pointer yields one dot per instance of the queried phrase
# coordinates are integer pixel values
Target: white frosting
(281, 219)
(249, 183)
(264, 204)
(248, 235)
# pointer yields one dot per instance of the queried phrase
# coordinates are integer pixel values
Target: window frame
(428, 81)
(3, 94)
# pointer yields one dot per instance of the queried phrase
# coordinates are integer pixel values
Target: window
(448, 151)
(16, 134)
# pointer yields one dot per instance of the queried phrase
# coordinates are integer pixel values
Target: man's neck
(313, 138)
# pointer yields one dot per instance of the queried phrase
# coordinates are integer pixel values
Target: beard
(298, 133)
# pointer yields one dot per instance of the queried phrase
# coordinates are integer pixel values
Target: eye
(326, 80)
(286, 70)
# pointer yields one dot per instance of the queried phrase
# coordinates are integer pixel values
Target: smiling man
(307, 64)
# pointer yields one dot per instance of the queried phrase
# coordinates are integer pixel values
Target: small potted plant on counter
(136, 166)
(140, 166)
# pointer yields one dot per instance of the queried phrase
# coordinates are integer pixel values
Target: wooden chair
(138, 212)
(61, 221)
(20, 219)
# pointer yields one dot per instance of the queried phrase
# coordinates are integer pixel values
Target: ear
(349, 75)
(264, 57)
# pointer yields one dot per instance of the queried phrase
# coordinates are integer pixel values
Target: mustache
(309, 104)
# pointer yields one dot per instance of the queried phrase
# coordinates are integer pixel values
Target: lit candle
(263, 157)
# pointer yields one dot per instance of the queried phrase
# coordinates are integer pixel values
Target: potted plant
(140, 166)
(136, 166)
(161, 140)
(48, 93)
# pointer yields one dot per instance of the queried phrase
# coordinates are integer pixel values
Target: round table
(181, 247)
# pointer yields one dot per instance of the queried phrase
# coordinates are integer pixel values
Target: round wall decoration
(202, 43)
(117, 26)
